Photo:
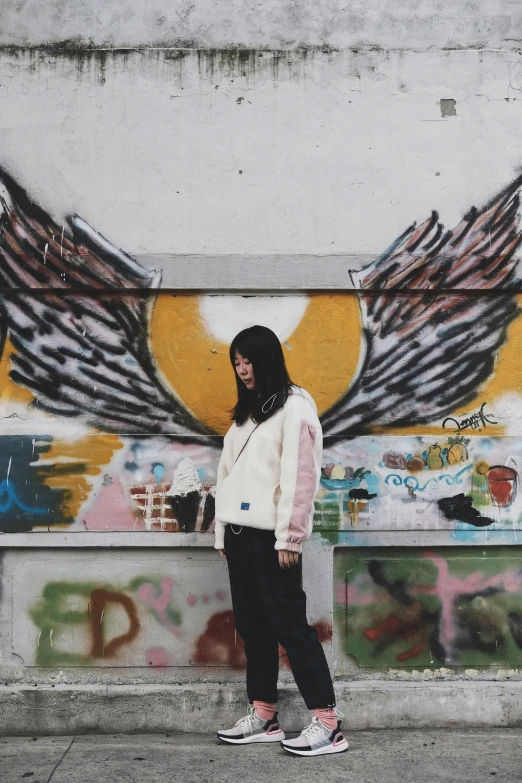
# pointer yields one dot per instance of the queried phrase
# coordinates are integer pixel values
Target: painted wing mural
(83, 355)
(75, 331)
(428, 351)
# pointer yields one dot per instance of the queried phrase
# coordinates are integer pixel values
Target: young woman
(268, 477)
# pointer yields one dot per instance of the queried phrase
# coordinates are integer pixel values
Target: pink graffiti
(156, 656)
(361, 592)
(355, 594)
(358, 594)
(448, 587)
(206, 598)
(146, 593)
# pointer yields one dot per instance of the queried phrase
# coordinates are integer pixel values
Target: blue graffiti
(395, 479)
(413, 482)
(159, 471)
(457, 478)
(340, 483)
(470, 534)
(11, 499)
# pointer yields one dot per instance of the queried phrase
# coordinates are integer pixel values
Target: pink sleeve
(300, 465)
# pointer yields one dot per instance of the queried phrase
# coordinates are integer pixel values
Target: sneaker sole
(277, 736)
(341, 748)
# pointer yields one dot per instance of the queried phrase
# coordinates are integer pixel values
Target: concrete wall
(281, 184)
(405, 25)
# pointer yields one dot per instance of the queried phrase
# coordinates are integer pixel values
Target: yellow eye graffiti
(322, 353)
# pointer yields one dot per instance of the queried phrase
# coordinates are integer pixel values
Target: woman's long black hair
(262, 348)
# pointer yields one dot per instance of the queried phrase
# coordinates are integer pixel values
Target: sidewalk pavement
(393, 756)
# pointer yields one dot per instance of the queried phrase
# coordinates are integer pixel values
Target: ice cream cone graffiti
(354, 507)
(358, 501)
(185, 495)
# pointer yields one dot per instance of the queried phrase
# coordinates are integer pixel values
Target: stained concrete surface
(392, 755)
(272, 23)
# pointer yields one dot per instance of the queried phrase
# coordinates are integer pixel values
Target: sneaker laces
(314, 729)
(248, 720)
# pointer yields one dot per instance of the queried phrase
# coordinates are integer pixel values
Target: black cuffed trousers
(269, 608)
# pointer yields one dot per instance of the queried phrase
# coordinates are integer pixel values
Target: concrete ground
(394, 756)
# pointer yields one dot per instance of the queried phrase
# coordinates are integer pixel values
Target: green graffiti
(52, 613)
(64, 605)
(430, 608)
(327, 515)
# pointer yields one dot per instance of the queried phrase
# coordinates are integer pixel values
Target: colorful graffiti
(124, 389)
(414, 483)
(423, 608)
(131, 621)
(220, 643)
(180, 616)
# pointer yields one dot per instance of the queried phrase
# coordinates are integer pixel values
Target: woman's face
(245, 371)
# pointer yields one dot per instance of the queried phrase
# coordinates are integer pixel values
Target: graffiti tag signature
(475, 421)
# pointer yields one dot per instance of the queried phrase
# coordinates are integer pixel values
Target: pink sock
(265, 710)
(328, 717)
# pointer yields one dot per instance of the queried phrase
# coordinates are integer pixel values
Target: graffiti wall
(427, 608)
(152, 204)
(114, 402)
(142, 612)
(446, 482)
(137, 610)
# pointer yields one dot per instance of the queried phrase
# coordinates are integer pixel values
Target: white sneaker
(252, 728)
(317, 739)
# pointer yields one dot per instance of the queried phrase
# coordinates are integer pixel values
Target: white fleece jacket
(273, 484)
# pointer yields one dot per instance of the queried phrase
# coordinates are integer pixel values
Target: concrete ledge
(177, 708)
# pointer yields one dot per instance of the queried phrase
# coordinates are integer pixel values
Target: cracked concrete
(395, 756)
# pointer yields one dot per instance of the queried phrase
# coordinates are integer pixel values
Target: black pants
(270, 607)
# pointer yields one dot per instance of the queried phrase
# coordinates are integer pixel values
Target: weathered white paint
(272, 24)
(225, 316)
(339, 153)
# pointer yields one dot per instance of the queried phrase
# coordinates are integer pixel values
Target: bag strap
(245, 443)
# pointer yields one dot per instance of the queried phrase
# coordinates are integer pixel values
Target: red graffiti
(405, 656)
(220, 643)
(394, 627)
(99, 599)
